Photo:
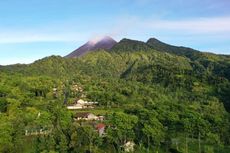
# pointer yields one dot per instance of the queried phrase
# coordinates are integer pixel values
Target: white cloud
(124, 26)
(199, 25)
(211, 25)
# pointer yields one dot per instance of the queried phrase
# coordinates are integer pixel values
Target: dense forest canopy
(162, 98)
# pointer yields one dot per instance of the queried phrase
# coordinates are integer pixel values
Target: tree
(121, 128)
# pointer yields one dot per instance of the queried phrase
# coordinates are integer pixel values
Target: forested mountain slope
(163, 93)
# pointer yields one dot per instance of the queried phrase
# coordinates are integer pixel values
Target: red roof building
(100, 128)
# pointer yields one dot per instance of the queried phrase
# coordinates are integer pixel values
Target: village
(83, 114)
(80, 116)
(82, 111)
(86, 117)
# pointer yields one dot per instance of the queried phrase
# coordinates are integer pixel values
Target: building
(85, 116)
(75, 106)
(81, 104)
(101, 118)
(101, 129)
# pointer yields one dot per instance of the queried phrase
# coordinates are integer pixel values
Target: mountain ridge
(109, 44)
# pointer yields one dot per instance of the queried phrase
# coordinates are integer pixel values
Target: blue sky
(33, 29)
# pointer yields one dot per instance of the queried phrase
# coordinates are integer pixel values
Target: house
(75, 106)
(100, 128)
(88, 103)
(101, 118)
(81, 104)
(80, 101)
(85, 116)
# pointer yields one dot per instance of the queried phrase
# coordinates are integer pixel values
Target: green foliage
(163, 98)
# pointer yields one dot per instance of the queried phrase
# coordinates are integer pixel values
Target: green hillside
(161, 97)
